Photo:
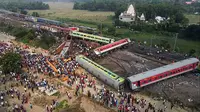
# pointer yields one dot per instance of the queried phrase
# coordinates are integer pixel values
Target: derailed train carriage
(100, 72)
(162, 73)
(91, 37)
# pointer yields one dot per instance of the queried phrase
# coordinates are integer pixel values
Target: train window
(142, 82)
(182, 69)
(149, 80)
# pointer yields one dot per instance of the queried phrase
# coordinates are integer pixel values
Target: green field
(65, 10)
(183, 46)
(193, 19)
(88, 18)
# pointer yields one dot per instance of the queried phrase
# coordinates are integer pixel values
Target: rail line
(121, 66)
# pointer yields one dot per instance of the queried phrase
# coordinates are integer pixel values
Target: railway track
(131, 65)
(121, 66)
(152, 59)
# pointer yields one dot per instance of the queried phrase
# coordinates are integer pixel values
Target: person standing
(25, 89)
(47, 108)
(31, 106)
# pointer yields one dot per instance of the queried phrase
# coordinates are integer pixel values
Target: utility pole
(151, 44)
(175, 42)
(101, 28)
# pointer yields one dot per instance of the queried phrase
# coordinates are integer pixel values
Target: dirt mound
(84, 104)
(89, 106)
(74, 108)
(42, 101)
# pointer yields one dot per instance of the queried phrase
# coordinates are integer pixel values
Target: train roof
(107, 72)
(91, 35)
(49, 20)
(162, 69)
(112, 44)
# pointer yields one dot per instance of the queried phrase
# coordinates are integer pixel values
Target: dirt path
(160, 104)
(27, 106)
(90, 106)
(4, 37)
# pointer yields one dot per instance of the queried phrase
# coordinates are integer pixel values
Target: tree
(191, 52)
(10, 62)
(191, 32)
(24, 12)
(35, 14)
(14, 6)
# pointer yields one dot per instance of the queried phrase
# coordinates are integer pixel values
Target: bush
(62, 105)
(26, 35)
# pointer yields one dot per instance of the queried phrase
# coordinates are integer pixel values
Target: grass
(56, 94)
(193, 19)
(183, 46)
(62, 105)
(65, 10)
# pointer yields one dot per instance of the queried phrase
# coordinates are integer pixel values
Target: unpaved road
(6, 38)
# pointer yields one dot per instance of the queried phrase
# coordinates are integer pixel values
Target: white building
(159, 19)
(142, 17)
(129, 15)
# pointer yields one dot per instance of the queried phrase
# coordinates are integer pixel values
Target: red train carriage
(111, 46)
(161, 73)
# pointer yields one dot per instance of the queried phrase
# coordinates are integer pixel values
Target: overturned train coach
(100, 72)
(161, 73)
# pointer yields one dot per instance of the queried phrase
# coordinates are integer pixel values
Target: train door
(138, 83)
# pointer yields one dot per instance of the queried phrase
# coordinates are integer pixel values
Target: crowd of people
(82, 83)
(34, 63)
(12, 91)
(121, 101)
